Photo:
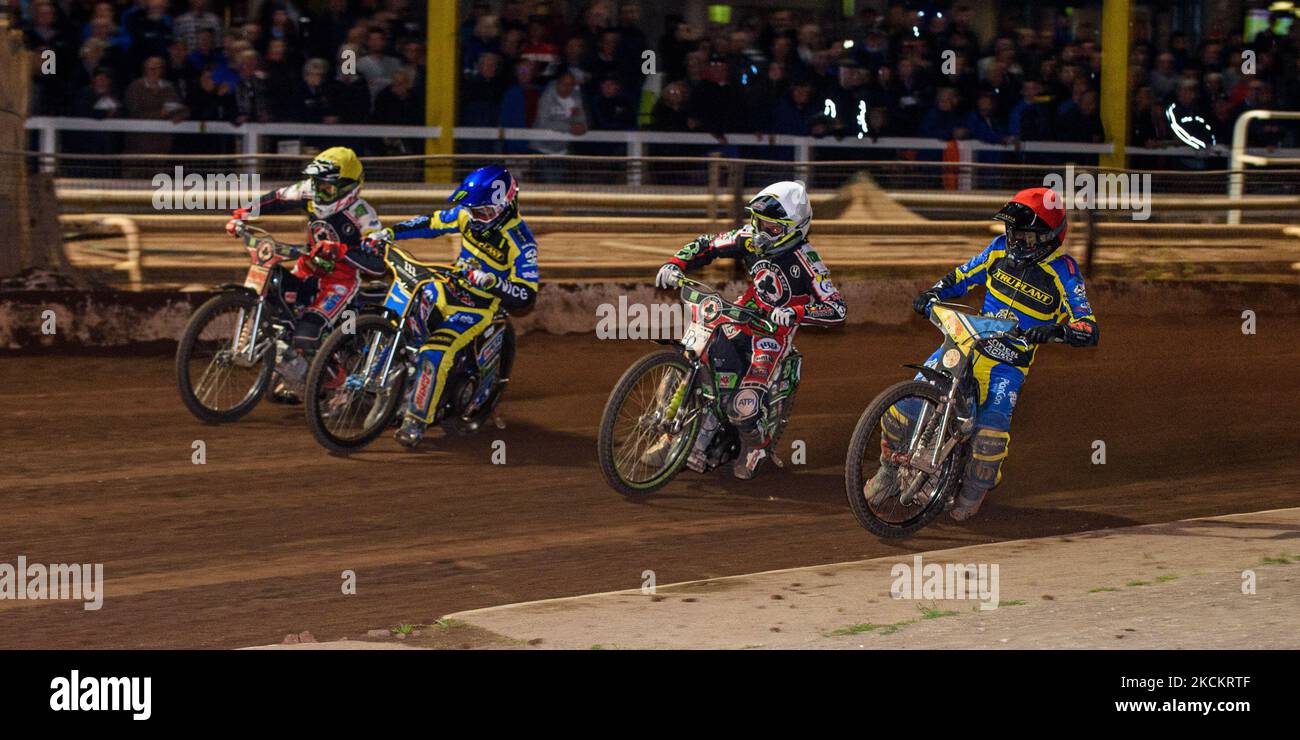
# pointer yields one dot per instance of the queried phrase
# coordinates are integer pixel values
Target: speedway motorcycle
(666, 412)
(358, 380)
(228, 353)
(935, 444)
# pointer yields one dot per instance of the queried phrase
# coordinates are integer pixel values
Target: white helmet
(780, 216)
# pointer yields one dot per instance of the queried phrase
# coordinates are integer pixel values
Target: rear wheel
(218, 378)
(347, 408)
(912, 497)
(638, 450)
(469, 424)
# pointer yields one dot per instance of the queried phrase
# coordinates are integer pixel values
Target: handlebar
(249, 232)
(756, 318)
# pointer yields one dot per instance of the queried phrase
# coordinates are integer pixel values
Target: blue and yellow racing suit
(508, 251)
(1050, 291)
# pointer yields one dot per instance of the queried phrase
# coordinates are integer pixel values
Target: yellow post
(442, 69)
(1116, 22)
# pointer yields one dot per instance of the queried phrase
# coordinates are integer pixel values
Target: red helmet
(1036, 224)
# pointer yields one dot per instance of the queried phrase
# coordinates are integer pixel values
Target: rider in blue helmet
(499, 257)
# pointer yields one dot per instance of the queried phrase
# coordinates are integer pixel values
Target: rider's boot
(654, 455)
(411, 431)
(293, 377)
(882, 486)
(988, 450)
(753, 451)
(968, 502)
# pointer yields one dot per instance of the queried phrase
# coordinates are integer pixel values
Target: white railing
(1241, 158)
(250, 138)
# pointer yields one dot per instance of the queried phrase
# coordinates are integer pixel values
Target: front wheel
(904, 498)
(348, 401)
(643, 442)
(224, 362)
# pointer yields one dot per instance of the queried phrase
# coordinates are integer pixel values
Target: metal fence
(712, 187)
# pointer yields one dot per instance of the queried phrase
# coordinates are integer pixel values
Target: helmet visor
(485, 214)
(325, 191)
(770, 229)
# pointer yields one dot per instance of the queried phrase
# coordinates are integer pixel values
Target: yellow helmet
(336, 176)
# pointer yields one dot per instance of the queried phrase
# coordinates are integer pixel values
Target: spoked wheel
(888, 494)
(347, 406)
(638, 448)
(459, 425)
(220, 377)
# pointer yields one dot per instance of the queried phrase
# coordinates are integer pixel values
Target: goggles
(325, 190)
(769, 227)
(485, 214)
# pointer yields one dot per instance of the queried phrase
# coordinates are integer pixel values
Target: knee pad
(744, 406)
(988, 450)
(308, 331)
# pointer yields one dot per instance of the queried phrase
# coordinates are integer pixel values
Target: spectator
(560, 109)
(541, 50)
(210, 100)
(150, 30)
(350, 98)
(1029, 121)
(311, 101)
(670, 111)
(377, 67)
(152, 97)
(519, 105)
(250, 92)
(944, 120)
(484, 40)
(481, 93)
(612, 110)
(795, 112)
(715, 103)
(1082, 121)
(197, 18)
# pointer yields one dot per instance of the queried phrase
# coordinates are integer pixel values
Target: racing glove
(235, 219)
(1044, 333)
(784, 316)
(325, 254)
(481, 279)
(669, 276)
(373, 243)
(922, 303)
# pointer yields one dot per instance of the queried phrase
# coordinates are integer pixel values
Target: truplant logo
(946, 581)
(1114, 191)
(182, 191)
(628, 320)
(94, 694)
(63, 581)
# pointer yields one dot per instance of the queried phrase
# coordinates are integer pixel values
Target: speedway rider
(498, 257)
(788, 282)
(326, 278)
(1028, 278)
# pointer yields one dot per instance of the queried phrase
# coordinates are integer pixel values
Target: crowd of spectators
(354, 61)
(579, 66)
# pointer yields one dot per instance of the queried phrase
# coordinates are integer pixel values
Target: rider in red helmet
(1028, 278)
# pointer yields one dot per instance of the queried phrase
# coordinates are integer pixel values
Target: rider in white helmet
(788, 281)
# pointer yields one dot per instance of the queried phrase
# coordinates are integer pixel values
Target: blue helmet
(490, 194)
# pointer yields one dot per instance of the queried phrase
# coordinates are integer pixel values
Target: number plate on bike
(256, 278)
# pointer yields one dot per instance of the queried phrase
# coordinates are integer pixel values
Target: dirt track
(1197, 418)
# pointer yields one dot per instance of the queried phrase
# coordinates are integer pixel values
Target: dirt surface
(1215, 583)
(1197, 418)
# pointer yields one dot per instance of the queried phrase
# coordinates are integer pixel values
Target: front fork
(246, 334)
(941, 446)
